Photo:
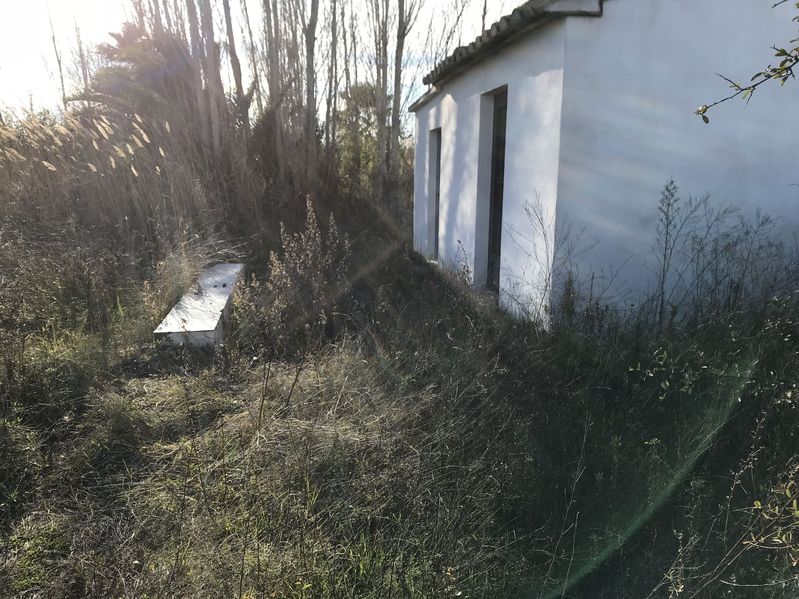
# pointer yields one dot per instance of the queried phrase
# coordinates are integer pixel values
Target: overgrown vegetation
(428, 446)
(371, 428)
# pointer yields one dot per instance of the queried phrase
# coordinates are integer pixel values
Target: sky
(28, 70)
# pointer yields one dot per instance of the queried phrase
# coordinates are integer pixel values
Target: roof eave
(422, 100)
(466, 65)
(492, 48)
(526, 18)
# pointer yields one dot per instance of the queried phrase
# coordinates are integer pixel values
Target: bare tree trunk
(213, 79)
(273, 77)
(242, 103)
(393, 142)
(180, 27)
(83, 62)
(253, 60)
(332, 75)
(234, 57)
(380, 30)
(197, 64)
(295, 65)
(58, 63)
(277, 48)
(138, 9)
(347, 82)
(335, 87)
(155, 9)
(310, 94)
(485, 12)
(168, 16)
(354, 32)
(271, 49)
(350, 33)
(406, 17)
(294, 75)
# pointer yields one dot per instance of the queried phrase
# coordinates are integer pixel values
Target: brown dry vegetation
(371, 428)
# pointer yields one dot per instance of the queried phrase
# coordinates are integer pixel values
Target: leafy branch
(782, 72)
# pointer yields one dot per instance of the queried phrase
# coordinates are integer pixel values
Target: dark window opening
(435, 146)
(497, 189)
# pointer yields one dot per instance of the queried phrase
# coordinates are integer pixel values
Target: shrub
(306, 288)
(55, 376)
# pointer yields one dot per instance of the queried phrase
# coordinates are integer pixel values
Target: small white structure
(200, 317)
(573, 114)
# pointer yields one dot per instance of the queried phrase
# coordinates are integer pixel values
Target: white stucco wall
(633, 79)
(532, 69)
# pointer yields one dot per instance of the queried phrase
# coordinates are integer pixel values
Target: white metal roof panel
(201, 308)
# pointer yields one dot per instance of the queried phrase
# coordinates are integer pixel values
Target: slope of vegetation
(422, 445)
(371, 428)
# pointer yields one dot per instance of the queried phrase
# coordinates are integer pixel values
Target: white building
(576, 113)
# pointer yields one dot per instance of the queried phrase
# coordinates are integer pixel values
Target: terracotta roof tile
(526, 17)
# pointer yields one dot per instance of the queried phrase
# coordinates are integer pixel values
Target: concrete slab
(200, 317)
